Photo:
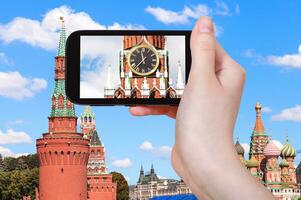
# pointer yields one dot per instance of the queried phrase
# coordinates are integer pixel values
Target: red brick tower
(100, 185)
(144, 70)
(258, 140)
(63, 153)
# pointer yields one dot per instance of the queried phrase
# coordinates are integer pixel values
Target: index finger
(170, 111)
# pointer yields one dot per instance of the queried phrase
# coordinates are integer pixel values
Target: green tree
(1, 162)
(9, 164)
(21, 163)
(122, 186)
(15, 184)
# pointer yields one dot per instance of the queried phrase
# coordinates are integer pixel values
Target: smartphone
(117, 67)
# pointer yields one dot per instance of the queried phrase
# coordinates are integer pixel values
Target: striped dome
(271, 149)
(288, 150)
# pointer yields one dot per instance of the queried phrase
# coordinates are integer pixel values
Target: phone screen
(132, 66)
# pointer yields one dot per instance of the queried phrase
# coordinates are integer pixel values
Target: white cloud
(246, 147)
(167, 16)
(163, 152)
(6, 152)
(287, 60)
(14, 85)
(181, 17)
(45, 33)
(5, 60)
(278, 144)
(289, 114)
(117, 26)
(266, 109)
(189, 13)
(127, 178)
(146, 146)
(222, 8)
(161, 177)
(14, 137)
(197, 11)
(122, 163)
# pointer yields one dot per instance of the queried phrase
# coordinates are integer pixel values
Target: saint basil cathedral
(72, 164)
(264, 156)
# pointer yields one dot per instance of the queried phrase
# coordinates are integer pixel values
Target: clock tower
(144, 70)
(100, 183)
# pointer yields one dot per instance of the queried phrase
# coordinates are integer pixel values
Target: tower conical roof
(239, 149)
(141, 170)
(258, 127)
(62, 41)
(95, 141)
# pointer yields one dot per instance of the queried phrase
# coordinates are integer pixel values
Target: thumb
(202, 44)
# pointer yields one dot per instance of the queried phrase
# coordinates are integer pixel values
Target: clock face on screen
(143, 60)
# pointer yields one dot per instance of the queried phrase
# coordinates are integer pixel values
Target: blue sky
(261, 36)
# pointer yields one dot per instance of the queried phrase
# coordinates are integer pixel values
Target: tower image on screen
(144, 70)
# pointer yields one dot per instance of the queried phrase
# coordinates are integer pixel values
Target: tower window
(61, 101)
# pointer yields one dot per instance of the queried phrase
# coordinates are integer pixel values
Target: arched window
(119, 93)
(135, 93)
(170, 93)
(69, 104)
(61, 101)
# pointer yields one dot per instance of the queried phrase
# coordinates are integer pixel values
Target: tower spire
(62, 117)
(62, 41)
(258, 128)
(141, 170)
(180, 82)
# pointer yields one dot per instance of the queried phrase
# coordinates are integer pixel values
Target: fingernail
(205, 25)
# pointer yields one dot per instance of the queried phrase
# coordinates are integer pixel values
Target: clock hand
(140, 62)
(142, 57)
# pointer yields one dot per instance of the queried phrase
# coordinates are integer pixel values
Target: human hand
(203, 153)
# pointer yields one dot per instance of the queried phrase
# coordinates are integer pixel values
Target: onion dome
(252, 163)
(239, 149)
(284, 163)
(271, 149)
(288, 150)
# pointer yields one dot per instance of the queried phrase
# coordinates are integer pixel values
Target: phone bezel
(72, 67)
